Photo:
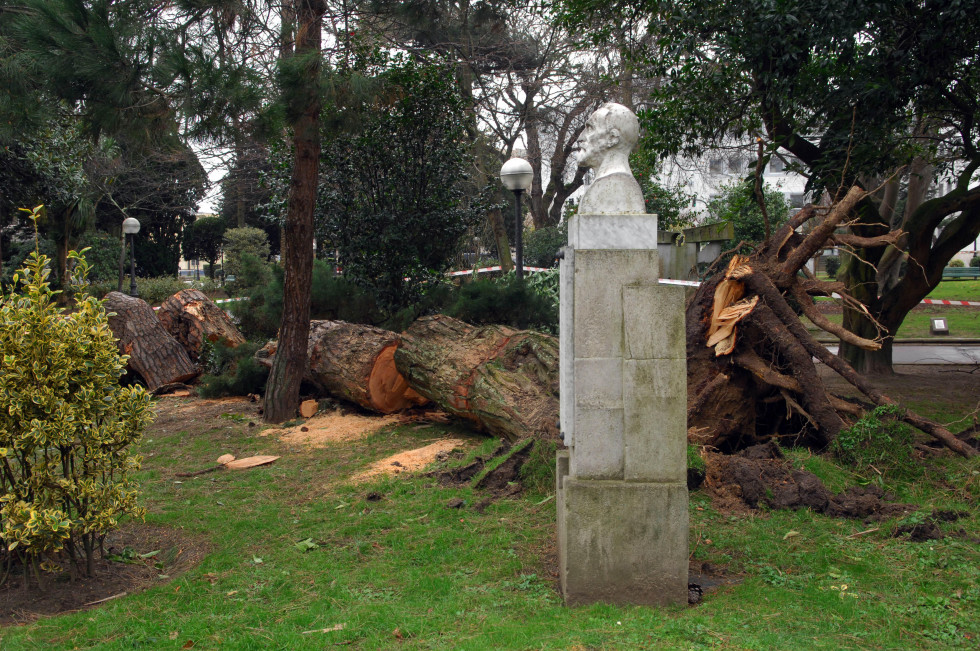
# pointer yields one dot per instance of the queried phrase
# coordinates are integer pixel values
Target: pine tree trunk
(192, 318)
(503, 381)
(282, 388)
(356, 363)
(153, 354)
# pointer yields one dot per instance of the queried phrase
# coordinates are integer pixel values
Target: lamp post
(516, 175)
(131, 227)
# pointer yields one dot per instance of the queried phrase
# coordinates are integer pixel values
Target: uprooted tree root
(751, 373)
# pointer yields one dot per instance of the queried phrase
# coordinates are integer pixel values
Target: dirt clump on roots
(129, 566)
(760, 476)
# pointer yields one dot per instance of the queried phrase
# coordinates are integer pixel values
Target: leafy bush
(231, 371)
(152, 290)
(831, 264)
(975, 261)
(332, 297)
(956, 263)
(541, 246)
(66, 426)
(878, 441)
(102, 255)
(505, 301)
(737, 204)
(249, 271)
(393, 197)
(241, 242)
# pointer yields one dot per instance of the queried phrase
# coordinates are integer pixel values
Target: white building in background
(705, 178)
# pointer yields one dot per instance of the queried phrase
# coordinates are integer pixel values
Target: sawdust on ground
(332, 427)
(410, 460)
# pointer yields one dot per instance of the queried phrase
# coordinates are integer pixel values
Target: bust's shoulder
(613, 194)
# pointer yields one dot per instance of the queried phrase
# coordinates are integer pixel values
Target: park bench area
(962, 272)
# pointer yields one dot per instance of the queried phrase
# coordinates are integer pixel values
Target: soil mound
(759, 475)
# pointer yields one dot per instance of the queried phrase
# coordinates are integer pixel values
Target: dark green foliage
(250, 272)
(505, 301)
(541, 245)
(831, 264)
(668, 204)
(975, 261)
(231, 371)
(737, 204)
(332, 297)
(956, 263)
(203, 240)
(102, 254)
(879, 443)
(15, 253)
(391, 197)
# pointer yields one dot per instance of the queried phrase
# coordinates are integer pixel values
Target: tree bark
(503, 381)
(500, 239)
(153, 354)
(282, 388)
(192, 318)
(356, 363)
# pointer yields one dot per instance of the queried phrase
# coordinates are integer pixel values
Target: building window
(716, 166)
(736, 165)
(797, 200)
(776, 165)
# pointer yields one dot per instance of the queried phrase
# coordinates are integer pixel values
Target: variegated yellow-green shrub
(66, 425)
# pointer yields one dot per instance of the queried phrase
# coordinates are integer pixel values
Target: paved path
(932, 353)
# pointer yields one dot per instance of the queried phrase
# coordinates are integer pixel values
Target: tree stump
(354, 362)
(153, 354)
(502, 380)
(192, 318)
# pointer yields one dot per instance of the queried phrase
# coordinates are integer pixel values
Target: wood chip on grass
(410, 460)
(332, 427)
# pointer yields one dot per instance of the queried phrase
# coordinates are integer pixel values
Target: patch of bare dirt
(759, 476)
(332, 427)
(176, 553)
(411, 460)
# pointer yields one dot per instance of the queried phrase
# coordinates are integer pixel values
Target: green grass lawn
(409, 572)
(957, 290)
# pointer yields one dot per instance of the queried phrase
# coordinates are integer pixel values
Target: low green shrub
(152, 290)
(250, 271)
(956, 263)
(879, 444)
(231, 371)
(541, 246)
(332, 297)
(832, 265)
(66, 426)
(505, 301)
(975, 261)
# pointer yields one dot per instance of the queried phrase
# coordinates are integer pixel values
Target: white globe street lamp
(516, 175)
(131, 227)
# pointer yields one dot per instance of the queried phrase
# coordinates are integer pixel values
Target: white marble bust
(610, 135)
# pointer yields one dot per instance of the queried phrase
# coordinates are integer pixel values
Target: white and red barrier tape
(934, 301)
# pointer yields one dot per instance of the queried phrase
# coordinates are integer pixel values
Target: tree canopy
(849, 92)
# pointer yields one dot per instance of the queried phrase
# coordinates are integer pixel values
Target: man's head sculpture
(610, 135)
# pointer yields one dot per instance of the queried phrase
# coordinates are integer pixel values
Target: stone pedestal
(622, 488)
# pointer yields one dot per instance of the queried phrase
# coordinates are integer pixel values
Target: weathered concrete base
(621, 541)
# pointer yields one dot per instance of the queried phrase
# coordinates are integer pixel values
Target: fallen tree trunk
(504, 381)
(354, 362)
(153, 354)
(192, 318)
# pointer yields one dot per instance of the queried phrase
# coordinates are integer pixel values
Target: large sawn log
(356, 363)
(157, 357)
(192, 318)
(504, 381)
